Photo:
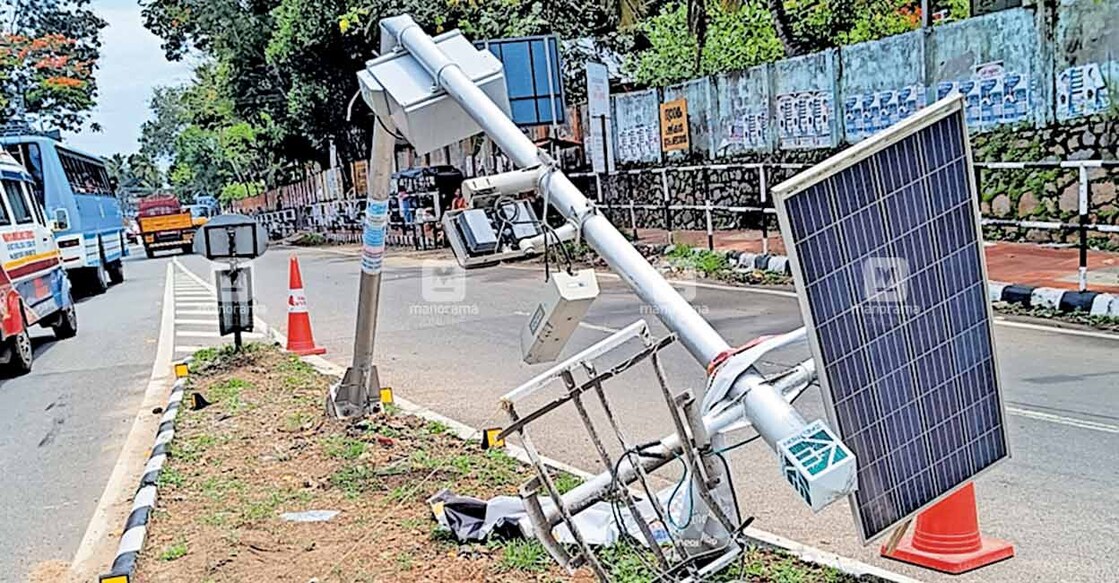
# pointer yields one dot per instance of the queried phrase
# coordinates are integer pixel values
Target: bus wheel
(188, 249)
(116, 272)
(21, 353)
(149, 252)
(67, 324)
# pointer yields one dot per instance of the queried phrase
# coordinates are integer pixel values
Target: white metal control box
(558, 313)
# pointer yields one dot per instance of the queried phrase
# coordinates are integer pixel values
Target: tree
(48, 52)
(736, 39)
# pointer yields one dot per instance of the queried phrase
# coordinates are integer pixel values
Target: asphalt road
(1056, 498)
(62, 425)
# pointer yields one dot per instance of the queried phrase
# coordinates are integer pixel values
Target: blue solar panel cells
(889, 260)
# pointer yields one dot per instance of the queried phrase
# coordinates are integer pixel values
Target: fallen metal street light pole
(350, 398)
(417, 73)
(771, 415)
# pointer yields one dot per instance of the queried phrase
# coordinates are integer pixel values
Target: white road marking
(1043, 328)
(211, 334)
(1062, 420)
(189, 349)
(186, 322)
(786, 293)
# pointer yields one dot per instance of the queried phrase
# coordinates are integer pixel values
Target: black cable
(755, 437)
(386, 128)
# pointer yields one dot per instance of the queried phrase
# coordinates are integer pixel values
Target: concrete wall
(1013, 67)
(1086, 59)
(995, 62)
(745, 121)
(637, 126)
(881, 83)
(703, 114)
(804, 101)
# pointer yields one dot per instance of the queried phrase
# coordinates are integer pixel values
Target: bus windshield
(29, 155)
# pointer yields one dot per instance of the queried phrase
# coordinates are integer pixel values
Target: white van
(34, 288)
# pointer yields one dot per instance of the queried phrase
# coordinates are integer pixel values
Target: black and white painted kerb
(143, 503)
(1093, 303)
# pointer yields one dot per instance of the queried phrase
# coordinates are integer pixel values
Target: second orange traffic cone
(300, 339)
(947, 537)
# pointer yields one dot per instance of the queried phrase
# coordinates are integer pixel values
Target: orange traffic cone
(947, 537)
(300, 339)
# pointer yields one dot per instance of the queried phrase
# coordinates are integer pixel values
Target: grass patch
(566, 482)
(705, 262)
(228, 394)
(523, 555)
(177, 550)
(343, 447)
(190, 449)
(169, 476)
(1105, 323)
(297, 420)
(436, 428)
(225, 356)
(355, 479)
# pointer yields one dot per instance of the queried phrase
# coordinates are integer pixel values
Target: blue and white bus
(74, 188)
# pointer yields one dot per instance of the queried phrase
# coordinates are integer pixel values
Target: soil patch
(262, 449)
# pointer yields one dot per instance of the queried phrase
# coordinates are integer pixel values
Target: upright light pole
(350, 398)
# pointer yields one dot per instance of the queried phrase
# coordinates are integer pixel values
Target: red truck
(165, 224)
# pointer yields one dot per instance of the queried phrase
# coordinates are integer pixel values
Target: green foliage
(48, 53)
(177, 550)
(228, 394)
(523, 555)
(708, 263)
(566, 482)
(342, 447)
(736, 39)
(169, 476)
(355, 479)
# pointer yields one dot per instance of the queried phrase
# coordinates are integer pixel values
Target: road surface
(62, 425)
(1056, 498)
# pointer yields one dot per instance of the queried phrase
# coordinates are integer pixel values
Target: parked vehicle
(74, 188)
(165, 224)
(34, 288)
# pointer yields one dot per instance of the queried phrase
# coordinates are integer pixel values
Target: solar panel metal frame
(904, 129)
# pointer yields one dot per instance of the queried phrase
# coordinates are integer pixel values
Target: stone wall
(1050, 194)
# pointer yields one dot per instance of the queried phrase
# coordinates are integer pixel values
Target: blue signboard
(533, 77)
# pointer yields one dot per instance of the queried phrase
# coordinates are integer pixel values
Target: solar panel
(885, 249)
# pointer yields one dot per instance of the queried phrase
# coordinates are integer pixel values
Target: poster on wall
(1082, 91)
(993, 95)
(1015, 102)
(804, 120)
(853, 118)
(674, 125)
(598, 114)
(637, 135)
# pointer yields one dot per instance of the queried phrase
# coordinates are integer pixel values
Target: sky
(131, 65)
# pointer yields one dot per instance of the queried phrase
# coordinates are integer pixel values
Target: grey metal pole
(1082, 208)
(350, 398)
(774, 418)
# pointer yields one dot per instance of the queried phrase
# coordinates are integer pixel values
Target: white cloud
(132, 63)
